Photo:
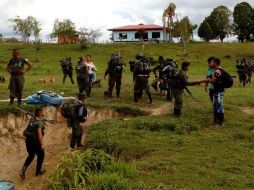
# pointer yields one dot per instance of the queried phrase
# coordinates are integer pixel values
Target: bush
(93, 170)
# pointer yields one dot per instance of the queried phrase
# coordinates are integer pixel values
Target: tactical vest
(81, 70)
(142, 68)
(31, 131)
(16, 65)
(116, 65)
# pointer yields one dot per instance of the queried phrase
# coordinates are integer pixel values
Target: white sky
(104, 14)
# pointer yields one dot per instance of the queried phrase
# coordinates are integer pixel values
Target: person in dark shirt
(67, 69)
(34, 143)
(218, 95)
(17, 70)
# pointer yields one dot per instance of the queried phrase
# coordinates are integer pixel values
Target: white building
(132, 33)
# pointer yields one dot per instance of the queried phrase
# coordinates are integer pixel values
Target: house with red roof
(135, 33)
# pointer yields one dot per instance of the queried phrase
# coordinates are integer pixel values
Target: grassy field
(168, 153)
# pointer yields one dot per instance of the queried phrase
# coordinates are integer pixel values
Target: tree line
(222, 23)
(30, 26)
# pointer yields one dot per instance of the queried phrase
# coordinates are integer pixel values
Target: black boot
(215, 118)
(135, 97)
(177, 112)
(11, 100)
(22, 172)
(118, 93)
(221, 118)
(150, 98)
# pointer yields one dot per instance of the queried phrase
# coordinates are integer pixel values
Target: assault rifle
(189, 92)
(32, 115)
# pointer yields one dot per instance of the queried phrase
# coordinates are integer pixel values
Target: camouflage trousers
(77, 133)
(16, 86)
(178, 95)
(83, 84)
(112, 81)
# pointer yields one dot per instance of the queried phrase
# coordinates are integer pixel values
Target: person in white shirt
(92, 73)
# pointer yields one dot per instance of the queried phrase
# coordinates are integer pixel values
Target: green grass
(168, 153)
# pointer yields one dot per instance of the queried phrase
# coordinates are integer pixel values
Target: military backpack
(69, 110)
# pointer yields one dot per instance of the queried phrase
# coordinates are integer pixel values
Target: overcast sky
(104, 14)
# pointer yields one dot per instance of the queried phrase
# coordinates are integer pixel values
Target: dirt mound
(56, 139)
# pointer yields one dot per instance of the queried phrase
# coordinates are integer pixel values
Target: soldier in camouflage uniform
(249, 70)
(82, 76)
(242, 72)
(67, 69)
(179, 85)
(141, 74)
(16, 68)
(34, 143)
(114, 71)
(74, 124)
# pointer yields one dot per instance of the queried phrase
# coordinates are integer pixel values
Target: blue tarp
(46, 98)
(6, 185)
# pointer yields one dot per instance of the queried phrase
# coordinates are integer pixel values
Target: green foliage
(243, 21)
(220, 22)
(65, 28)
(26, 27)
(91, 170)
(205, 31)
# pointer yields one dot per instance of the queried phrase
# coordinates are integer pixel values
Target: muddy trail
(57, 138)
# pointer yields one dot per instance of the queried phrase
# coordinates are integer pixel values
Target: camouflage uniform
(82, 78)
(141, 75)
(67, 69)
(178, 86)
(249, 70)
(16, 85)
(241, 70)
(114, 71)
(77, 130)
(33, 146)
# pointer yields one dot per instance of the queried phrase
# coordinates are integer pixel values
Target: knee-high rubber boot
(150, 98)
(221, 118)
(11, 100)
(135, 97)
(215, 118)
(177, 112)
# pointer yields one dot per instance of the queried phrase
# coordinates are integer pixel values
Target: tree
(26, 27)
(220, 22)
(205, 31)
(65, 28)
(167, 19)
(183, 30)
(243, 15)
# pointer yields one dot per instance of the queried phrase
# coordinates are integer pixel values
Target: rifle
(189, 92)
(32, 115)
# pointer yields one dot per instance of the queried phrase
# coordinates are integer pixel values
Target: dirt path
(57, 138)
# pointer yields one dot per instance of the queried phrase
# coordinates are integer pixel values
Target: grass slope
(169, 153)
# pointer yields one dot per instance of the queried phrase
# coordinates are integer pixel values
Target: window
(145, 36)
(156, 35)
(122, 36)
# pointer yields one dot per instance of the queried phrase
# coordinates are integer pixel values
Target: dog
(96, 83)
(47, 79)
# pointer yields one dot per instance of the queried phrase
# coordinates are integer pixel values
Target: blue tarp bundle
(46, 98)
(6, 185)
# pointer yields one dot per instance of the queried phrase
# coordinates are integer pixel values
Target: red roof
(137, 27)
